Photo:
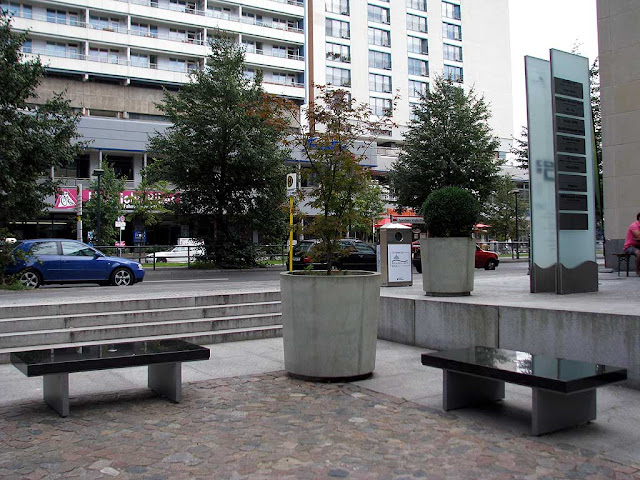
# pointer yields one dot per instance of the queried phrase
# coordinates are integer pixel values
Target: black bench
(163, 357)
(623, 257)
(564, 391)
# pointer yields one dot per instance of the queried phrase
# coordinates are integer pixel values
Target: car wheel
(122, 277)
(30, 279)
(490, 265)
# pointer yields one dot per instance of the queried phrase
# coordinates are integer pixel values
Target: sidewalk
(242, 417)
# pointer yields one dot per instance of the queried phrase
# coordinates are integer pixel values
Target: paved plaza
(242, 417)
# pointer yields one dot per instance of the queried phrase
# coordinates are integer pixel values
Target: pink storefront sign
(67, 198)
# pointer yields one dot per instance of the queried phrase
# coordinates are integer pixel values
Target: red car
(484, 258)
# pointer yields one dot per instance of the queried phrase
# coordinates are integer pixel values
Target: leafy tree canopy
(110, 207)
(32, 140)
(500, 211)
(448, 144)
(339, 130)
(223, 153)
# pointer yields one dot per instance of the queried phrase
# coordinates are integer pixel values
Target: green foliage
(449, 144)
(149, 202)
(500, 210)
(369, 207)
(520, 148)
(450, 212)
(223, 153)
(110, 206)
(335, 142)
(31, 140)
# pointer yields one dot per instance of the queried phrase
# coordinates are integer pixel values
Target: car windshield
(303, 247)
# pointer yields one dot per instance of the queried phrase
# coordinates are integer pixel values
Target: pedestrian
(632, 242)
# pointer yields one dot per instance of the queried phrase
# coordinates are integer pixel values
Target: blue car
(58, 260)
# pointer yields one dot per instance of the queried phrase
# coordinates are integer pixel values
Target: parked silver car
(179, 254)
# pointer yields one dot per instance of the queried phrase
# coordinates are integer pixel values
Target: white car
(179, 254)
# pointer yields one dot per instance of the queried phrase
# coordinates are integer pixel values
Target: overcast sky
(537, 26)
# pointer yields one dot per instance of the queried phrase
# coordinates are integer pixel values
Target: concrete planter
(330, 324)
(447, 265)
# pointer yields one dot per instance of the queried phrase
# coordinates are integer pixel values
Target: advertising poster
(399, 263)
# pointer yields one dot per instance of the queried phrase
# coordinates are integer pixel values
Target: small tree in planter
(339, 132)
(330, 321)
(448, 253)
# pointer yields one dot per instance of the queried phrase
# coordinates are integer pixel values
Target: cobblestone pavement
(270, 426)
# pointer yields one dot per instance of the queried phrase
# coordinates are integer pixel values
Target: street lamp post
(516, 192)
(98, 172)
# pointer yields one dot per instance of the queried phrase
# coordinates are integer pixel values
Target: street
(183, 281)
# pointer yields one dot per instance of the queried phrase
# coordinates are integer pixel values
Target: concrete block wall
(435, 324)
(102, 96)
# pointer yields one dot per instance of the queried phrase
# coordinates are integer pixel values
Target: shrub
(450, 212)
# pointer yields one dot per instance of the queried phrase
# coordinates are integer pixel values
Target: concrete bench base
(551, 411)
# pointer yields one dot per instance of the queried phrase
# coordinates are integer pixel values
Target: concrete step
(156, 315)
(134, 331)
(202, 338)
(77, 308)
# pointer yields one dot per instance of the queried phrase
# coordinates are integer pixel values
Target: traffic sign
(292, 184)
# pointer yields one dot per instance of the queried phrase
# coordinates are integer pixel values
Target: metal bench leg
(554, 411)
(55, 392)
(461, 390)
(166, 380)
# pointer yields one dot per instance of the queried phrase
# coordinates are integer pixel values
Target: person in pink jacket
(632, 242)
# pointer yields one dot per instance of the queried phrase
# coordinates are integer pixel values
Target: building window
(337, 6)
(104, 23)
(452, 32)
(417, 45)
(60, 16)
(57, 49)
(144, 30)
(417, 89)
(413, 108)
(452, 52)
(252, 47)
(27, 46)
(379, 37)
(449, 10)
(337, 28)
(104, 55)
(453, 73)
(417, 23)
(418, 67)
(338, 53)
(78, 168)
(279, 51)
(417, 4)
(339, 77)
(379, 60)
(17, 10)
(377, 14)
(123, 166)
(282, 78)
(380, 106)
(139, 60)
(182, 5)
(379, 83)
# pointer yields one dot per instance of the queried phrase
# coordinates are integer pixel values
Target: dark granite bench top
(109, 355)
(522, 368)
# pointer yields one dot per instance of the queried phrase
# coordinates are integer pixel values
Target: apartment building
(114, 56)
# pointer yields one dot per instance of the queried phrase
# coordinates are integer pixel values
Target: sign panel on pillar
(542, 183)
(574, 177)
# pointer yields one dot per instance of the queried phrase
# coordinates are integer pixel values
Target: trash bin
(395, 255)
